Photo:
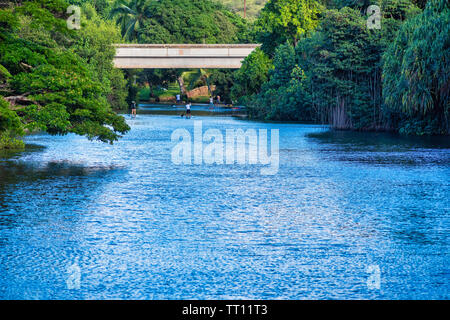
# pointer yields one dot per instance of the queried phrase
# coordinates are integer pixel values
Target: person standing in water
(188, 110)
(133, 109)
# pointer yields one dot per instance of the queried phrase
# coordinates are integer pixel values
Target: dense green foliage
(56, 79)
(283, 97)
(350, 76)
(131, 16)
(103, 7)
(249, 78)
(179, 21)
(282, 21)
(417, 74)
(94, 45)
(342, 62)
(318, 62)
(10, 127)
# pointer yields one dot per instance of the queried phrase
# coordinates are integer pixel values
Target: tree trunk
(21, 99)
(208, 83)
(181, 84)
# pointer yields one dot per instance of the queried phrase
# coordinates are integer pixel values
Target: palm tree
(130, 15)
(201, 75)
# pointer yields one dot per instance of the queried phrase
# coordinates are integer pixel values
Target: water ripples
(141, 227)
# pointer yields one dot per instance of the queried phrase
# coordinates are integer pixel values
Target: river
(347, 216)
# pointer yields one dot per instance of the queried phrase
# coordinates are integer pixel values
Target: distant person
(188, 110)
(211, 102)
(218, 99)
(178, 98)
(133, 108)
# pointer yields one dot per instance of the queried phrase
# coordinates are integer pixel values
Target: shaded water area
(140, 227)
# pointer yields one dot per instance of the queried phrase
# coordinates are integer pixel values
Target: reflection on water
(384, 148)
(140, 227)
(196, 109)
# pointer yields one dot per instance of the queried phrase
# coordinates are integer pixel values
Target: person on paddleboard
(188, 110)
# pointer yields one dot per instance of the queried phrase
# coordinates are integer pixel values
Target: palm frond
(130, 30)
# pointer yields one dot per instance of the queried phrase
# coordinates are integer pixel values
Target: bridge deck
(163, 56)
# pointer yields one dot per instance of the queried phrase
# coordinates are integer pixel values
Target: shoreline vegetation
(319, 63)
(55, 79)
(331, 68)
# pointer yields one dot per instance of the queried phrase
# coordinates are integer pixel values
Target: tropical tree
(223, 82)
(283, 97)
(416, 75)
(191, 21)
(94, 41)
(282, 21)
(55, 81)
(4, 73)
(101, 6)
(253, 73)
(202, 76)
(130, 15)
(335, 76)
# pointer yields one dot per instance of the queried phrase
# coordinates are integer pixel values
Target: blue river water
(348, 216)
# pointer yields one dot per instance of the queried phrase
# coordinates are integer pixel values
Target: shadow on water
(383, 148)
(15, 154)
(380, 140)
(13, 170)
(35, 181)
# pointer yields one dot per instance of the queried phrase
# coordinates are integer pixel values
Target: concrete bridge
(181, 56)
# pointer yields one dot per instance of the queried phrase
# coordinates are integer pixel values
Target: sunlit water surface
(140, 227)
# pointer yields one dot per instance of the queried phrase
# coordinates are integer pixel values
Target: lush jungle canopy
(56, 79)
(320, 62)
(331, 68)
